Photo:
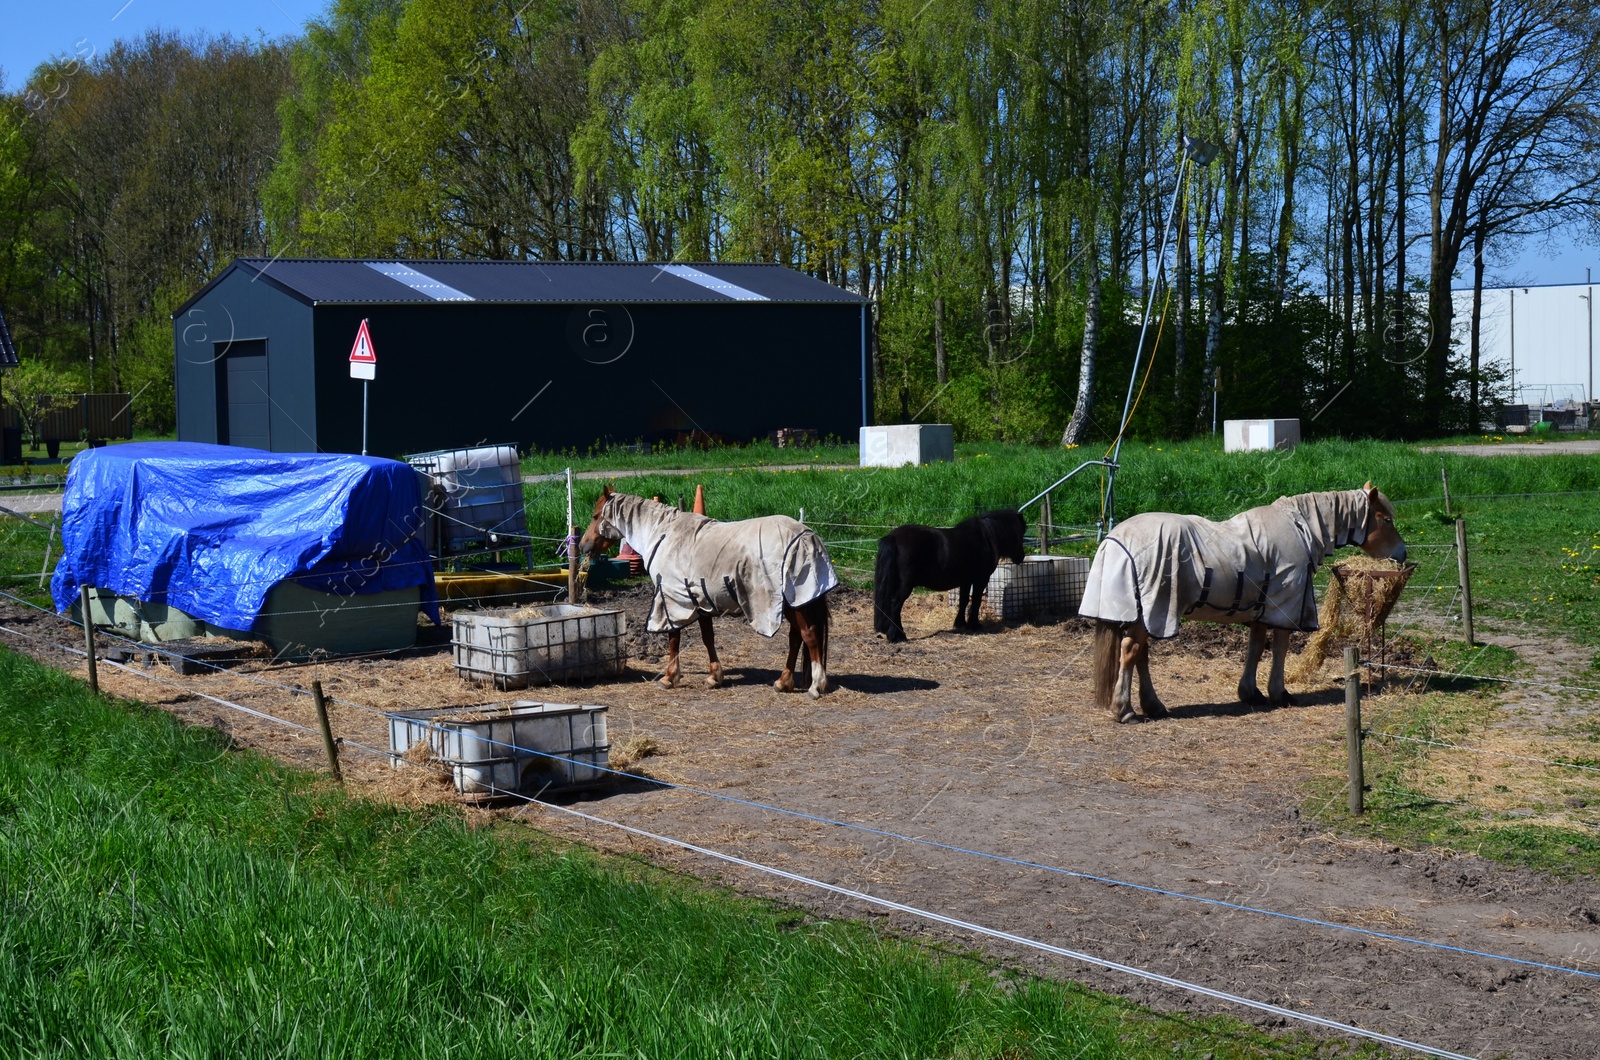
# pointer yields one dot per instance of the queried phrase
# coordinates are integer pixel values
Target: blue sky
(36, 30)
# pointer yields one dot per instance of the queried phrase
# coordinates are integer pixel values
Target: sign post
(363, 366)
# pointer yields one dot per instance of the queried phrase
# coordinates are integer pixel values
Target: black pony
(961, 557)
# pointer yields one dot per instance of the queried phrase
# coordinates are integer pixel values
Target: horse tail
(1107, 660)
(819, 620)
(884, 578)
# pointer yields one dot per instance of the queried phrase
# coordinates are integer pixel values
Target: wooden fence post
(88, 637)
(328, 745)
(1444, 475)
(1464, 573)
(1352, 728)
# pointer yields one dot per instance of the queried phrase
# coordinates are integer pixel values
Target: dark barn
(545, 355)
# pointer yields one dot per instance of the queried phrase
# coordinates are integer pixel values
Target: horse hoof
(714, 681)
(814, 692)
(783, 686)
(895, 636)
(669, 682)
(1252, 698)
(1286, 700)
(1128, 717)
(1154, 710)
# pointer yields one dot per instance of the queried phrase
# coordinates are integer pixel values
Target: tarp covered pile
(211, 529)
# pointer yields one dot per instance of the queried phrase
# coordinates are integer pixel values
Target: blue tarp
(210, 529)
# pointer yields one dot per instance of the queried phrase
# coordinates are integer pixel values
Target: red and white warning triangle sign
(363, 358)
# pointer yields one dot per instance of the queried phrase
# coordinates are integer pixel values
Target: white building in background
(1542, 336)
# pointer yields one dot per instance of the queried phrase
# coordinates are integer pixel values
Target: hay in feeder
(1360, 596)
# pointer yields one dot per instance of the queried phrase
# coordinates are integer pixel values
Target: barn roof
(363, 281)
(8, 350)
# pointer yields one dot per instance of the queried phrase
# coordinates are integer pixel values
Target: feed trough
(548, 644)
(1039, 586)
(521, 747)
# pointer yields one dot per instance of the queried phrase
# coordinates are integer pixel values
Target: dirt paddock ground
(989, 743)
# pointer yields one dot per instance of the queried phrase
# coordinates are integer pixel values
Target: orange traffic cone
(699, 500)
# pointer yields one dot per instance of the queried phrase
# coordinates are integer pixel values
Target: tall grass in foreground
(163, 895)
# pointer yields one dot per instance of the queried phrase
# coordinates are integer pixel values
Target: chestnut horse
(767, 569)
(1253, 569)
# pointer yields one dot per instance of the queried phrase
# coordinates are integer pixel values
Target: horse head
(1382, 540)
(601, 534)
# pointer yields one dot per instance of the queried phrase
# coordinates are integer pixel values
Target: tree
(1518, 107)
(35, 390)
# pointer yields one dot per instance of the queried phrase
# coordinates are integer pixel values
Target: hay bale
(1360, 596)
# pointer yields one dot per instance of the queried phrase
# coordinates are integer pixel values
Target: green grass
(22, 547)
(1501, 790)
(161, 894)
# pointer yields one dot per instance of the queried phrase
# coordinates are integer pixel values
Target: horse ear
(606, 491)
(1369, 487)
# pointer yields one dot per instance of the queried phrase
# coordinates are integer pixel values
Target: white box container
(896, 445)
(1245, 436)
(479, 495)
(1037, 587)
(523, 746)
(551, 644)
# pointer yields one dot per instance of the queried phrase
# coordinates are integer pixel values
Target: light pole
(1511, 331)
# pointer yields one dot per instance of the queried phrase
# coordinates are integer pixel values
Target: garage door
(243, 410)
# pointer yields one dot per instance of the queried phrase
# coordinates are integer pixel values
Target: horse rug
(750, 567)
(1254, 567)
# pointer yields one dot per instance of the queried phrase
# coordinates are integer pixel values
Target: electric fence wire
(900, 837)
(1462, 675)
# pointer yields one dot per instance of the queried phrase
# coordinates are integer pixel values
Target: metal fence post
(1464, 573)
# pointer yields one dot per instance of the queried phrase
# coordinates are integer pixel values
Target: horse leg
(785, 681)
(978, 598)
(1150, 704)
(1249, 692)
(961, 607)
(890, 589)
(1277, 694)
(897, 601)
(1122, 701)
(811, 634)
(674, 641)
(714, 678)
